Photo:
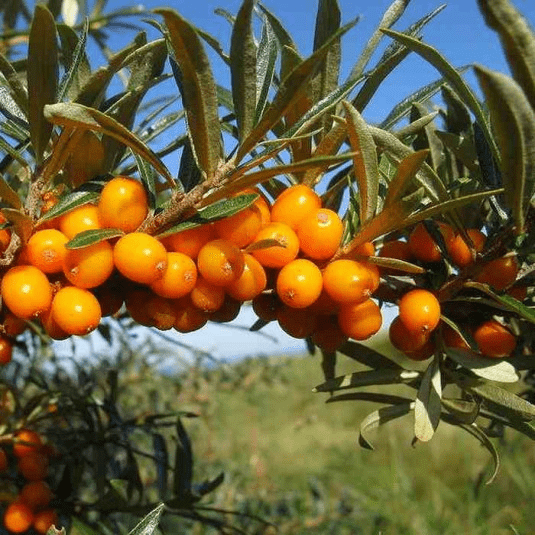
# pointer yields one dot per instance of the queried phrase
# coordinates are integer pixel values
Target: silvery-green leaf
(492, 369)
(427, 407)
(380, 417)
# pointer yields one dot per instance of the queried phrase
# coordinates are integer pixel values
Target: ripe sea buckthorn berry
(189, 317)
(6, 350)
(36, 494)
(46, 250)
(419, 310)
(80, 219)
(18, 517)
(33, 466)
(3, 460)
(396, 249)
(228, 312)
(364, 249)
(320, 233)
(360, 320)
(266, 306)
(263, 207)
(499, 273)
(459, 251)
(297, 322)
(404, 339)
(179, 277)
(52, 328)
(276, 256)
(123, 204)
(162, 312)
(76, 311)
(348, 281)
(5, 235)
(89, 267)
(136, 305)
(452, 338)
(328, 335)
(293, 204)
(26, 443)
(494, 340)
(26, 291)
(299, 283)
(111, 299)
(240, 228)
(324, 305)
(140, 257)
(220, 262)
(251, 282)
(44, 520)
(207, 296)
(423, 246)
(12, 325)
(190, 241)
(518, 292)
(426, 351)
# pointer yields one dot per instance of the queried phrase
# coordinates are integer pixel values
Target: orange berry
(251, 282)
(190, 241)
(263, 207)
(136, 305)
(13, 326)
(494, 340)
(426, 351)
(207, 296)
(27, 442)
(189, 317)
(3, 460)
(293, 204)
(5, 235)
(364, 249)
(518, 292)
(328, 335)
(419, 310)
(228, 312)
(320, 233)
(110, 298)
(46, 250)
(26, 291)
(44, 519)
(266, 306)
(161, 311)
(423, 246)
(404, 339)
(460, 253)
(90, 266)
(276, 256)
(140, 257)
(240, 228)
(33, 466)
(76, 311)
(6, 350)
(123, 204)
(348, 281)
(80, 219)
(36, 494)
(299, 283)
(396, 249)
(324, 305)
(220, 262)
(18, 517)
(52, 328)
(499, 273)
(360, 320)
(452, 338)
(297, 322)
(179, 277)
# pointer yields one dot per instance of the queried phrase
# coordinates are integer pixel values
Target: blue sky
(458, 32)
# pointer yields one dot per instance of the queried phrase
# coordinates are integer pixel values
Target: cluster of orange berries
(419, 310)
(31, 507)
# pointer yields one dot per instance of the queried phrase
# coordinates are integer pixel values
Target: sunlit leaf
(427, 407)
(492, 369)
(149, 523)
(17, 89)
(90, 237)
(266, 58)
(380, 417)
(70, 202)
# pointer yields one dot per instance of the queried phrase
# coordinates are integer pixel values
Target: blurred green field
(294, 460)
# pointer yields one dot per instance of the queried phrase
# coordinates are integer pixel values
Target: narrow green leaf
(263, 244)
(9, 195)
(243, 69)
(146, 173)
(199, 91)
(414, 127)
(368, 356)
(518, 41)
(21, 223)
(16, 88)
(76, 115)
(266, 59)
(149, 523)
(435, 58)
(183, 469)
(380, 417)
(289, 92)
(394, 263)
(458, 119)
(406, 171)
(374, 397)
(513, 121)
(462, 148)
(365, 163)
(68, 203)
(90, 237)
(462, 410)
(427, 407)
(499, 370)
(367, 378)
(42, 76)
(15, 154)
